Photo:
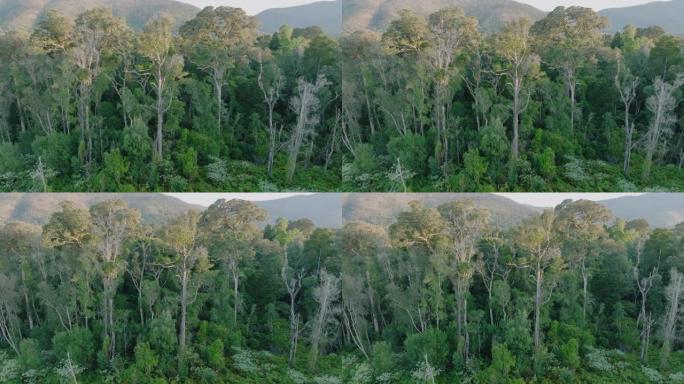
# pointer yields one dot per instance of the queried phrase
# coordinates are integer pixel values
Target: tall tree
(228, 231)
(581, 225)
(96, 33)
(662, 105)
(567, 37)
(540, 254)
(270, 82)
(217, 41)
(190, 260)
(165, 67)
(325, 294)
(306, 106)
(514, 45)
(451, 32)
(466, 224)
(113, 223)
(673, 294)
(627, 85)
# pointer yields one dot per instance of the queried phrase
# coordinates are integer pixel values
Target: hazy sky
(255, 6)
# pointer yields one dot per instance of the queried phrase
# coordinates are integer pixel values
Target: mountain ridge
(666, 14)
(377, 14)
(23, 15)
(324, 14)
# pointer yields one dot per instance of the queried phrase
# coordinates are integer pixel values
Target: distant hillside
(377, 14)
(659, 209)
(23, 14)
(383, 208)
(667, 14)
(36, 208)
(324, 209)
(325, 14)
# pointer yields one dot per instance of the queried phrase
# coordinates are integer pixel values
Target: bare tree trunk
(538, 299)
(160, 116)
(184, 304)
(516, 116)
(673, 295)
(585, 289)
(218, 90)
(371, 299)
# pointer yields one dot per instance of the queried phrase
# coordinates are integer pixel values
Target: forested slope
(439, 296)
(378, 14)
(24, 15)
(435, 103)
(94, 105)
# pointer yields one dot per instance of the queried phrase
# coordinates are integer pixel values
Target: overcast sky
(255, 6)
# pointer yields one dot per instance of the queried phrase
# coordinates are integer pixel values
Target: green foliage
(77, 345)
(149, 110)
(427, 346)
(410, 150)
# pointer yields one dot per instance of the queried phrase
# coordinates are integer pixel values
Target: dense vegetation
(440, 296)
(93, 105)
(435, 104)
(431, 104)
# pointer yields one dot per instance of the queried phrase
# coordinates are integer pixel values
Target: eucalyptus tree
(627, 86)
(218, 40)
(10, 310)
(113, 223)
(228, 230)
(325, 295)
(364, 244)
(421, 232)
(67, 235)
(493, 266)
(466, 224)
(581, 225)
(407, 35)
(662, 105)
(96, 33)
(645, 282)
(143, 252)
(306, 105)
(271, 82)
(514, 45)
(158, 46)
(293, 283)
(539, 254)
(189, 262)
(567, 39)
(20, 243)
(673, 294)
(451, 32)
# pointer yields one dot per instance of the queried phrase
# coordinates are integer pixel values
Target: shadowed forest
(439, 296)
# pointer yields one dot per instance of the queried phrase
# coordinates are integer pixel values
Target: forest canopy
(93, 105)
(436, 104)
(440, 295)
(429, 104)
